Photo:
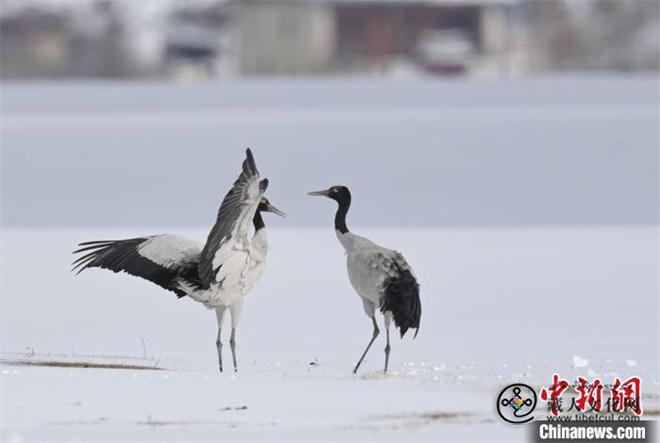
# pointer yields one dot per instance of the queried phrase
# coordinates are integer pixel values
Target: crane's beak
(274, 210)
(319, 193)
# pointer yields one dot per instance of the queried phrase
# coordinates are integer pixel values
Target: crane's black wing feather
(165, 260)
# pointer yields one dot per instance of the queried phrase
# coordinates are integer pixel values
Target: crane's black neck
(344, 200)
(258, 221)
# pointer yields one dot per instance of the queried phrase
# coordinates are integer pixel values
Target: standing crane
(218, 274)
(381, 277)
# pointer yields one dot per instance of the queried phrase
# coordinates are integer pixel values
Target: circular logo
(516, 403)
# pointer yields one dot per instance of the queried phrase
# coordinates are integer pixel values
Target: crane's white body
(244, 263)
(239, 273)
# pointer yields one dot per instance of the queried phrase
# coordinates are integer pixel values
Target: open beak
(319, 193)
(274, 210)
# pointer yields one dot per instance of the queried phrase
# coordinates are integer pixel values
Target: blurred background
(199, 40)
(454, 112)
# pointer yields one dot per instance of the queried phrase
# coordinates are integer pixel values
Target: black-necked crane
(218, 274)
(381, 277)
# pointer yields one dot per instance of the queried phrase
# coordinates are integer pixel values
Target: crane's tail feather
(401, 299)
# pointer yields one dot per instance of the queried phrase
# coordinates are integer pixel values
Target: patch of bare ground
(186, 423)
(79, 365)
(98, 421)
(414, 420)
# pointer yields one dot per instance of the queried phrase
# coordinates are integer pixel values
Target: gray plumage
(384, 280)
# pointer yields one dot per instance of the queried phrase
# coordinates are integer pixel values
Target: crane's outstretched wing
(166, 260)
(233, 222)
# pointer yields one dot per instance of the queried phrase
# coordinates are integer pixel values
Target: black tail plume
(401, 298)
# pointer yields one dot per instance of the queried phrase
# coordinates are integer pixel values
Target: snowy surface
(499, 306)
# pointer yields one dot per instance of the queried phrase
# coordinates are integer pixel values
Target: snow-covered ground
(499, 306)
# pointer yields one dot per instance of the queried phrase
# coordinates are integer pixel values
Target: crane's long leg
(388, 319)
(235, 310)
(220, 314)
(232, 343)
(371, 342)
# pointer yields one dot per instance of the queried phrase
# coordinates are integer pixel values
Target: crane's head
(265, 206)
(339, 193)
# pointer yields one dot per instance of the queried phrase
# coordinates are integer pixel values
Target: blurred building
(593, 35)
(284, 37)
(34, 43)
(432, 36)
(198, 41)
(45, 41)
